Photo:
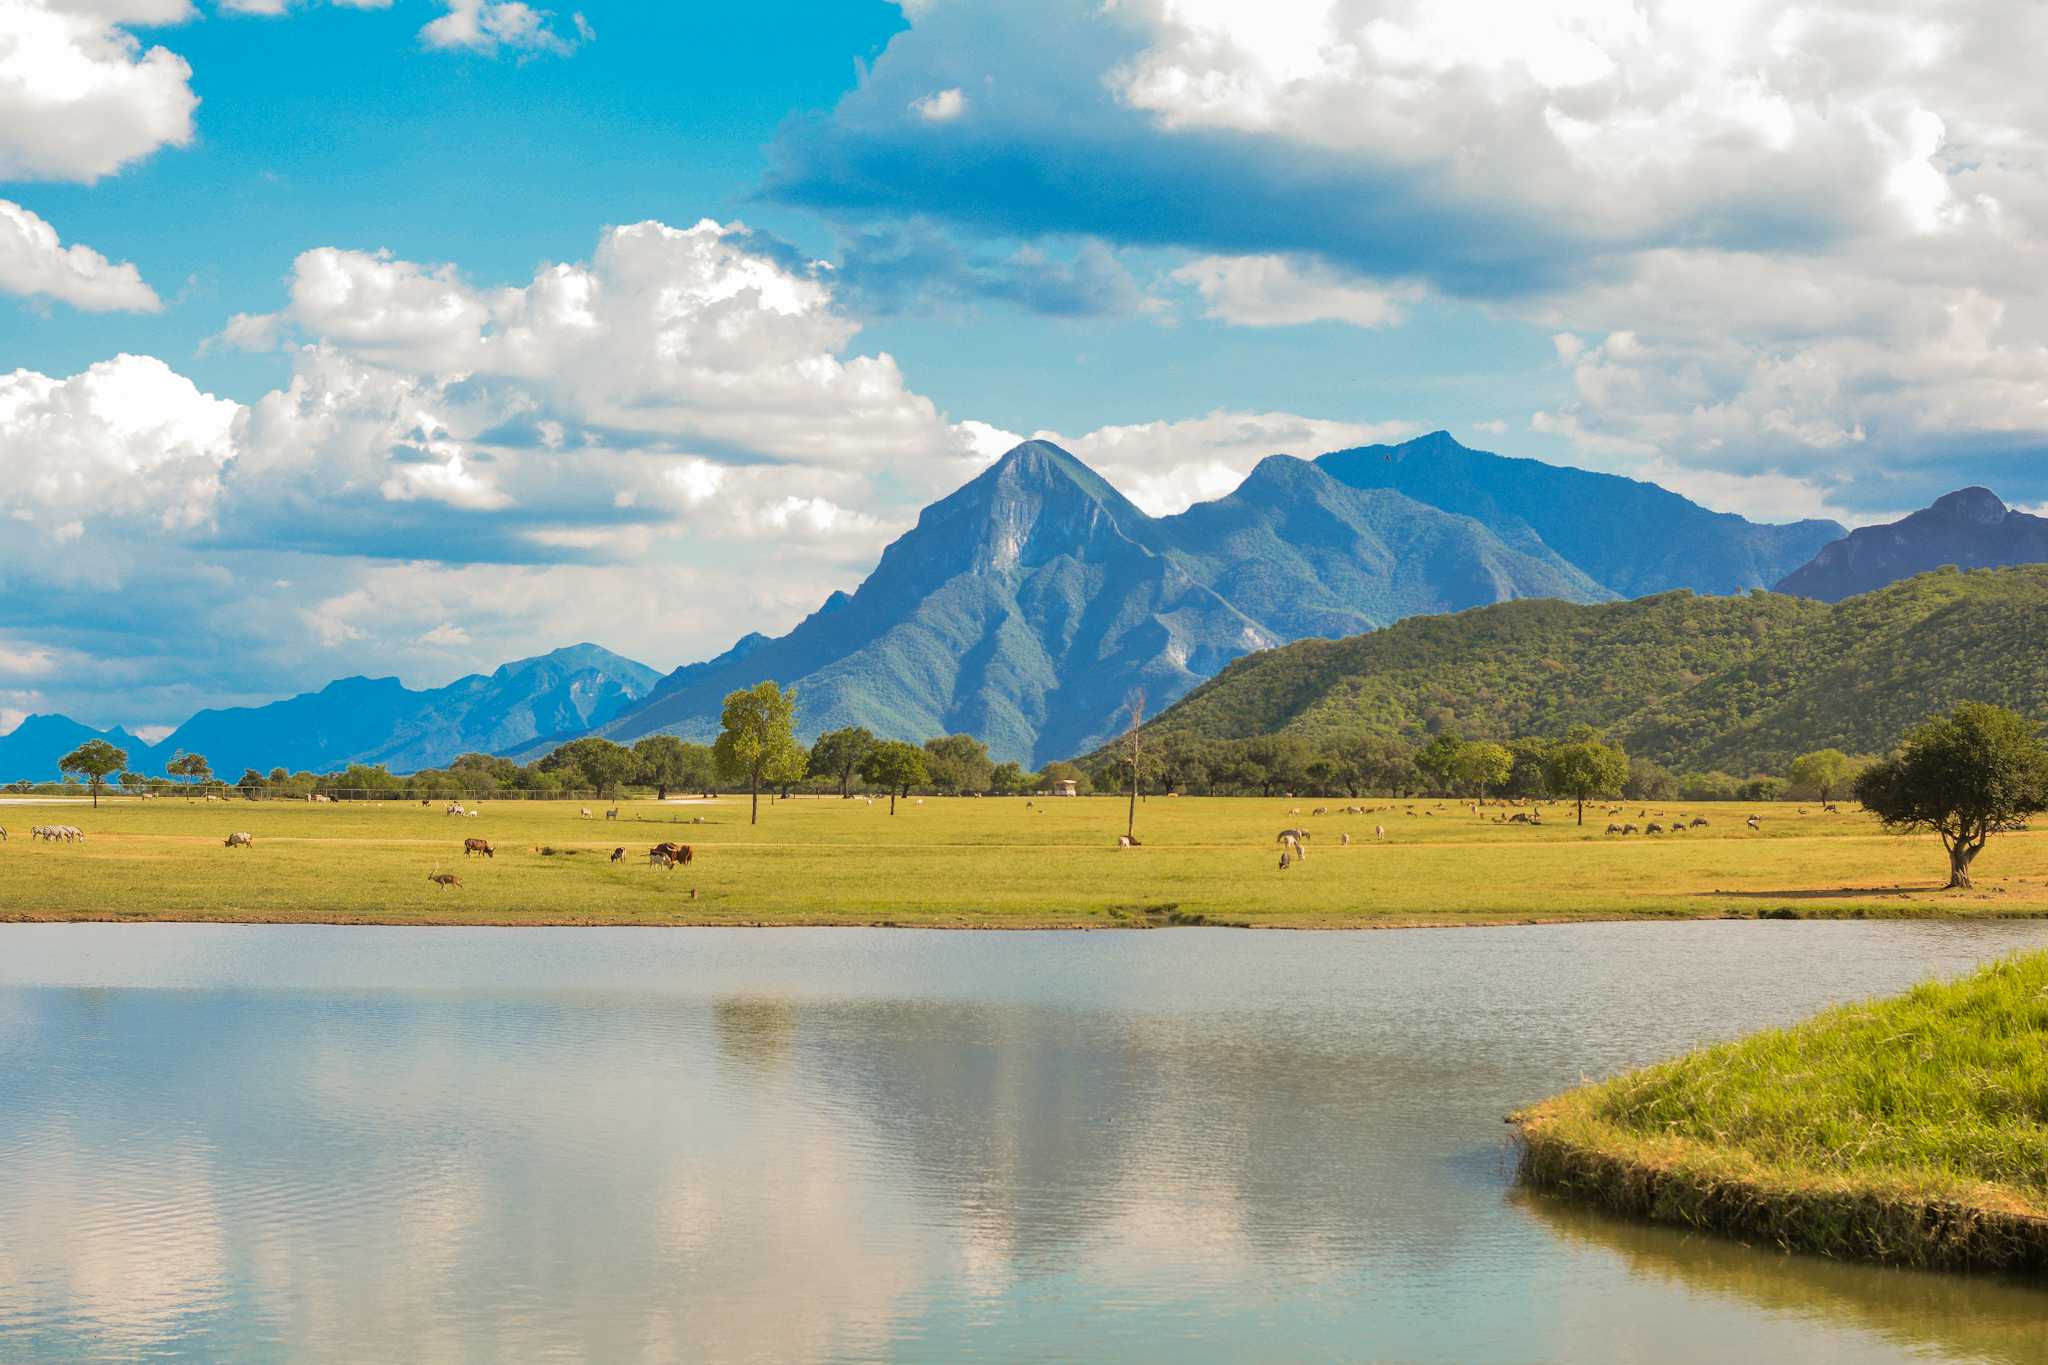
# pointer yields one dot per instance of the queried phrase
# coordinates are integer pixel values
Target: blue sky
(412, 337)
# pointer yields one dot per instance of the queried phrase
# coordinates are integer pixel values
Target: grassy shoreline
(993, 863)
(1912, 1131)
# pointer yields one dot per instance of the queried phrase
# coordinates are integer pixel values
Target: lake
(843, 1144)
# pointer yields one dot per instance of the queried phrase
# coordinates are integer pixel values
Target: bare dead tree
(1131, 743)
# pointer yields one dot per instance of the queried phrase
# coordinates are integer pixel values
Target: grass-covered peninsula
(1912, 1130)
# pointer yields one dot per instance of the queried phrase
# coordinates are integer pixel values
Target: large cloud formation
(456, 472)
(1785, 245)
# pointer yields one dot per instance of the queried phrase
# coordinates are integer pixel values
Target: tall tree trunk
(1582, 810)
(892, 800)
(755, 817)
(1960, 855)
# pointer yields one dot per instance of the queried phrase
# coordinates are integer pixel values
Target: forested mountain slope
(1734, 683)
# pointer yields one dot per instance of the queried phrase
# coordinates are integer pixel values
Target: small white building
(1065, 786)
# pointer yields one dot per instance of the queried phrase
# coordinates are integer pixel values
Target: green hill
(1740, 684)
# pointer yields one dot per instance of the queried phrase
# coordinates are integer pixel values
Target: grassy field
(1912, 1130)
(994, 863)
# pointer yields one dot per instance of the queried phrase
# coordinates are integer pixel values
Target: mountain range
(553, 696)
(1028, 606)
(1969, 528)
(1741, 684)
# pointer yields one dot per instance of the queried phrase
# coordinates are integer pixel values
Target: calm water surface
(841, 1144)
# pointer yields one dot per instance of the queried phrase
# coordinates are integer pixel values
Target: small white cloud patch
(940, 107)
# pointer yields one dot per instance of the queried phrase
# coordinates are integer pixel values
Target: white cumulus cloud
(34, 263)
(1279, 291)
(1165, 467)
(489, 26)
(80, 97)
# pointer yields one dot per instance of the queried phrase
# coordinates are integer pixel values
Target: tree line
(1977, 771)
(757, 750)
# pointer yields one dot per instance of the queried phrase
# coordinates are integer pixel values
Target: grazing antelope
(1379, 831)
(482, 846)
(238, 840)
(618, 855)
(585, 812)
(1126, 841)
(612, 814)
(1344, 840)
(444, 880)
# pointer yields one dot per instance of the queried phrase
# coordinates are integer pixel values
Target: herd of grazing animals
(1292, 840)
(667, 854)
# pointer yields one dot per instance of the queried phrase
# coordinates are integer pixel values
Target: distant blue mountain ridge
(1027, 607)
(369, 720)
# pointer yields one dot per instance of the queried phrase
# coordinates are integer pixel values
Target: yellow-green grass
(1911, 1130)
(991, 862)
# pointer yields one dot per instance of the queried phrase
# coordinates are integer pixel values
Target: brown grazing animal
(482, 846)
(676, 853)
(444, 880)
(239, 840)
(618, 855)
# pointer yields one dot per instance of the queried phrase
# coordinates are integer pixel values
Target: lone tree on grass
(838, 754)
(1583, 767)
(1133, 757)
(894, 765)
(193, 766)
(1481, 764)
(757, 743)
(93, 760)
(1824, 770)
(1975, 772)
